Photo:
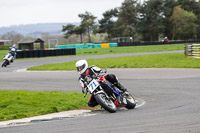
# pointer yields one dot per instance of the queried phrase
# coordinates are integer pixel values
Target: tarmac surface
(171, 100)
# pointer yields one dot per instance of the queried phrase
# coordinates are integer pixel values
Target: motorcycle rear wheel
(106, 103)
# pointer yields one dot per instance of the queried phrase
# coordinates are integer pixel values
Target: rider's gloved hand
(102, 72)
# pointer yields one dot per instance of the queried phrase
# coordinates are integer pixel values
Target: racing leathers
(14, 53)
(94, 71)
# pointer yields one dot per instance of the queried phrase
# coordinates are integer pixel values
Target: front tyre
(106, 103)
(4, 64)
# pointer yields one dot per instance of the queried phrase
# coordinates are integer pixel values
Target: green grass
(2, 54)
(131, 49)
(21, 104)
(114, 50)
(177, 60)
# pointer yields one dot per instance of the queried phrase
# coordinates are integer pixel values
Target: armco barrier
(88, 45)
(45, 53)
(122, 44)
(105, 45)
(113, 44)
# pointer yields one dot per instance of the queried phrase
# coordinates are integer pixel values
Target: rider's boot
(120, 86)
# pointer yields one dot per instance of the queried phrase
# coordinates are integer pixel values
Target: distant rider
(13, 51)
(166, 41)
(84, 70)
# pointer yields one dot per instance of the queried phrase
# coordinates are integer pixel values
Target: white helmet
(81, 66)
(13, 49)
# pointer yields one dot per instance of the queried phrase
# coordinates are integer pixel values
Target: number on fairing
(93, 85)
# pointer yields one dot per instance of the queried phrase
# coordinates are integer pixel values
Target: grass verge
(114, 50)
(21, 104)
(177, 60)
(130, 49)
(2, 54)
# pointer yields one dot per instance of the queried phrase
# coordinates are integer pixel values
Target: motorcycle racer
(13, 51)
(84, 70)
(10, 56)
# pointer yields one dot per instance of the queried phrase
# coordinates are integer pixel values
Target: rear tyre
(106, 103)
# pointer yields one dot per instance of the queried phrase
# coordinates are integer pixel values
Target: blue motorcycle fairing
(115, 90)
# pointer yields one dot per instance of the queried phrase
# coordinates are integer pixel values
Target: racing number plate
(93, 85)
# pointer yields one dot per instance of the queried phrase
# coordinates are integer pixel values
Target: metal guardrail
(192, 50)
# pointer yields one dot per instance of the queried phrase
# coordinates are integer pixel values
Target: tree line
(147, 21)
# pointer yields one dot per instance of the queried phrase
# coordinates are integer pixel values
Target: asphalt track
(172, 99)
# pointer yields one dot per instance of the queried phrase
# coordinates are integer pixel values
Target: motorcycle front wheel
(4, 64)
(106, 103)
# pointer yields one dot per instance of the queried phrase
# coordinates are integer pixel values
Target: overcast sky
(15, 12)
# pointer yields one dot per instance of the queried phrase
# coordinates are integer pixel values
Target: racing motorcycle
(107, 95)
(7, 59)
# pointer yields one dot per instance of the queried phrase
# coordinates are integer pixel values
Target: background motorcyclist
(11, 58)
(13, 51)
(84, 70)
